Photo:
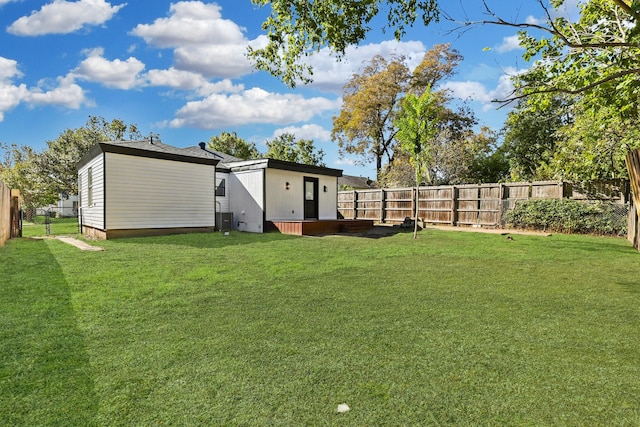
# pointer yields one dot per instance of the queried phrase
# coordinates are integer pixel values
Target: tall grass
(206, 329)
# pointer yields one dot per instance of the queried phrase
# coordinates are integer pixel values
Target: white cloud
(469, 90)
(63, 17)
(509, 44)
(8, 69)
(251, 106)
(202, 40)
(309, 131)
(331, 75)
(10, 94)
(190, 23)
(345, 161)
(188, 81)
(532, 20)
(2, 2)
(226, 61)
(10, 97)
(67, 94)
(476, 91)
(116, 74)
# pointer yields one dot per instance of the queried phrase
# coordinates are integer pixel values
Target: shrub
(569, 216)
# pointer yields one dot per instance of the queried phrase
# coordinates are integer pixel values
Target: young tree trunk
(415, 225)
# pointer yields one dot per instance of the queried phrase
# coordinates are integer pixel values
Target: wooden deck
(317, 227)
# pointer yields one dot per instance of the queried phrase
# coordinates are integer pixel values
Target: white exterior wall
(144, 192)
(247, 199)
(328, 207)
(223, 201)
(92, 215)
(283, 204)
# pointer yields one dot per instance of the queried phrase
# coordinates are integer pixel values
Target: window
(220, 188)
(90, 187)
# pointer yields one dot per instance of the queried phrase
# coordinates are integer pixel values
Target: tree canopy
(286, 147)
(298, 28)
(371, 101)
(43, 176)
(230, 143)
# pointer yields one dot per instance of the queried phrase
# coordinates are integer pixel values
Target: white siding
(153, 193)
(283, 204)
(328, 206)
(247, 200)
(92, 215)
(223, 201)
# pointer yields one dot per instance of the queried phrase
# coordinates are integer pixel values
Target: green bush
(569, 216)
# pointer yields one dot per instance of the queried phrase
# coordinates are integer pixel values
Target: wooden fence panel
(347, 204)
(547, 190)
(399, 204)
(614, 190)
(490, 205)
(437, 204)
(370, 205)
(515, 191)
(5, 213)
(470, 205)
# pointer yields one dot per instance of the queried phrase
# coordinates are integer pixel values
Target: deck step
(356, 227)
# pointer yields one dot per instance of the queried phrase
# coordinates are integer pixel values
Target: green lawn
(57, 226)
(247, 329)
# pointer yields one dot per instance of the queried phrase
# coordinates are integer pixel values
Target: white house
(146, 187)
(265, 191)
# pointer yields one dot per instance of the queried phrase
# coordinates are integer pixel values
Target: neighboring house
(147, 187)
(67, 206)
(351, 182)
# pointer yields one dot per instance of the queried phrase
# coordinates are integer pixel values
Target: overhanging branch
(576, 91)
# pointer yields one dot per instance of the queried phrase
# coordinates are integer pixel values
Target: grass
(57, 226)
(247, 329)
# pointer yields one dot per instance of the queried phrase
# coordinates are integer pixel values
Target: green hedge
(569, 216)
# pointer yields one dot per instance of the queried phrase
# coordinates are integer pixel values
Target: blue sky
(178, 69)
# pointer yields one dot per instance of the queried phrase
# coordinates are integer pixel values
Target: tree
(298, 28)
(58, 162)
(598, 55)
(531, 135)
(594, 145)
(230, 143)
(417, 125)
(490, 161)
(371, 101)
(600, 51)
(286, 147)
(19, 170)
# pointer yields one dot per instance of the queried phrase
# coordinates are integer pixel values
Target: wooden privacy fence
(5, 213)
(468, 205)
(633, 166)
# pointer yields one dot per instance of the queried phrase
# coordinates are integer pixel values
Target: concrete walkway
(83, 246)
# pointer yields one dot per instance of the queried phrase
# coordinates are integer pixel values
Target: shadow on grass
(219, 240)
(215, 240)
(45, 377)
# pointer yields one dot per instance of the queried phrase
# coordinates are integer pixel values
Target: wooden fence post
(454, 205)
(382, 202)
(355, 204)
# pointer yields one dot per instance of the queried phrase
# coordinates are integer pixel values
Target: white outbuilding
(135, 188)
(130, 188)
